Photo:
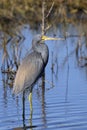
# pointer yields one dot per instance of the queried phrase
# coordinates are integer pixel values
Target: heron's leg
(30, 100)
(31, 108)
(23, 114)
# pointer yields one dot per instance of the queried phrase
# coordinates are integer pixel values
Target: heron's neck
(43, 50)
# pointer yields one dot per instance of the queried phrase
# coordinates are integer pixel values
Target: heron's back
(28, 72)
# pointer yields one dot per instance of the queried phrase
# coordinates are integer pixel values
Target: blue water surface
(62, 104)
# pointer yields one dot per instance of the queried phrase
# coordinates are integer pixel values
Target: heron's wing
(28, 72)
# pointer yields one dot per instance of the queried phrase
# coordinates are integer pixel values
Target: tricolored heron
(32, 65)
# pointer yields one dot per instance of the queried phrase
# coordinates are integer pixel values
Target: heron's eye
(39, 41)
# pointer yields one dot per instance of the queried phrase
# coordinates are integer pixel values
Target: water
(59, 107)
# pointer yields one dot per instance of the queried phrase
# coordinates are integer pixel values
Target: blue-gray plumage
(32, 66)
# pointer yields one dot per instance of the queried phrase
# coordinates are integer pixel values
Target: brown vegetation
(17, 12)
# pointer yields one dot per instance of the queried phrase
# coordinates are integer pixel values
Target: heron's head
(41, 38)
(37, 39)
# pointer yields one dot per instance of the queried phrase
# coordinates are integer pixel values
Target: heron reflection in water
(32, 66)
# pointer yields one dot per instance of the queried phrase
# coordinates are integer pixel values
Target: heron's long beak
(50, 38)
